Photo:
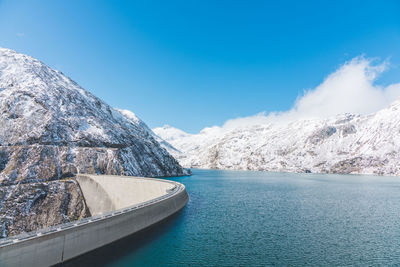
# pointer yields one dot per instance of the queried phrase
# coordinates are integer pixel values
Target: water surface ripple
(240, 218)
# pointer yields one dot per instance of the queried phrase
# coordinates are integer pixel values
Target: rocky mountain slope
(52, 129)
(363, 144)
(31, 206)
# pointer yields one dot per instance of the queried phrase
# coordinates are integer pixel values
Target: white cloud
(350, 89)
(20, 34)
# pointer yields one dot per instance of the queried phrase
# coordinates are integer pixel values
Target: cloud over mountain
(351, 88)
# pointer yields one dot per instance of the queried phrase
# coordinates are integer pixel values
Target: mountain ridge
(346, 143)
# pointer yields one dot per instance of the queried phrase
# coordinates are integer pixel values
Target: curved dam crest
(120, 206)
(105, 193)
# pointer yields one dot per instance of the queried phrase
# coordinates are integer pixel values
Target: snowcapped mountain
(52, 128)
(368, 144)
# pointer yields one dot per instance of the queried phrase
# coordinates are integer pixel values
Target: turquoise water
(239, 218)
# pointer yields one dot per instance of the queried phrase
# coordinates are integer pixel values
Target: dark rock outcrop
(32, 206)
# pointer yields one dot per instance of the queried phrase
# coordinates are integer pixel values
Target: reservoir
(243, 218)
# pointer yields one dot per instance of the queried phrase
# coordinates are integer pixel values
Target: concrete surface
(63, 242)
(105, 193)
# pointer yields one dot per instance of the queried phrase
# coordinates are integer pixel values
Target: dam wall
(105, 193)
(116, 218)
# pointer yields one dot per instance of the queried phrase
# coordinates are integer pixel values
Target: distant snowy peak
(346, 143)
(169, 133)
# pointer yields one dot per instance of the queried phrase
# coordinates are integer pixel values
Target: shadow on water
(110, 253)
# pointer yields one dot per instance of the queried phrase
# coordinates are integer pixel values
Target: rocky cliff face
(32, 206)
(363, 144)
(52, 129)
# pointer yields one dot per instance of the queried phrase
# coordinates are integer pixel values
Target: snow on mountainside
(367, 144)
(52, 128)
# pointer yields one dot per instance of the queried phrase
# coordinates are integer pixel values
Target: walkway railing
(178, 187)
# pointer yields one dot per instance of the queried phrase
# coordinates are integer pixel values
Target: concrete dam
(120, 206)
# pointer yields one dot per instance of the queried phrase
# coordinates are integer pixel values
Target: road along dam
(120, 206)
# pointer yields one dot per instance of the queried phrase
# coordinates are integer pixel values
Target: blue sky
(192, 64)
